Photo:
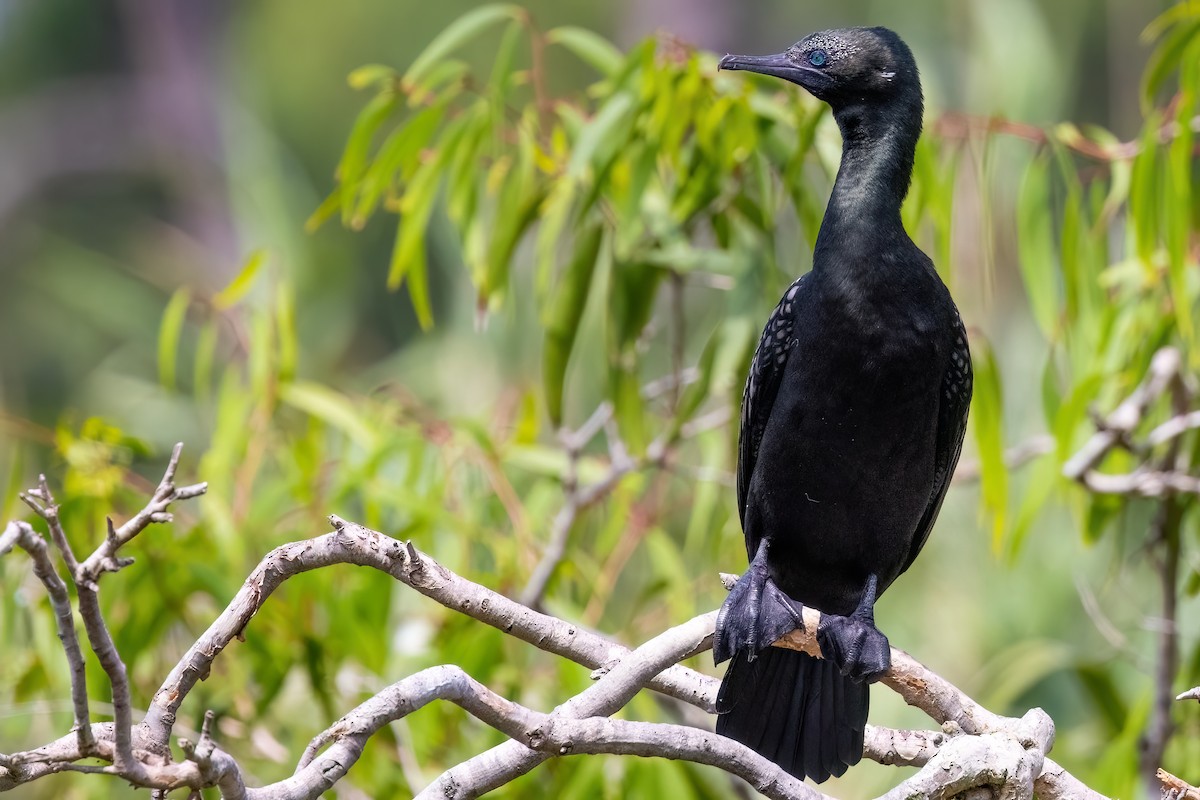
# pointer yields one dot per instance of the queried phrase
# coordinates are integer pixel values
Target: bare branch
(217, 768)
(1190, 694)
(1006, 755)
(1173, 428)
(900, 748)
(85, 575)
(41, 500)
(962, 126)
(354, 544)
(578, 498)
(1056, 782)
(1016, 456)
(1141, 482)
(1176, 788)
(22, 535)
(1164, 368)
(508, 761)
(153, 770)
(104, 559)
(966, 762)
(541, 735)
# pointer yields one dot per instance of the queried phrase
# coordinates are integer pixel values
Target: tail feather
(796, 710)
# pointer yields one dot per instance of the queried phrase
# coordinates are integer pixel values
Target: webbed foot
(859, 649)
(755, 614)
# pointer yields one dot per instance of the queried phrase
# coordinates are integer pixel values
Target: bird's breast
(847, 463)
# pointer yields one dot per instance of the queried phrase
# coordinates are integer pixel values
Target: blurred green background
(153, 151)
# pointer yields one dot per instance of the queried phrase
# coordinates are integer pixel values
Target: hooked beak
(779, 66)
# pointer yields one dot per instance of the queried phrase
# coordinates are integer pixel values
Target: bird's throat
(876, 166)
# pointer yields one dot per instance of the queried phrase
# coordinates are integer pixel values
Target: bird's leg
(755, 614)
(853, 643)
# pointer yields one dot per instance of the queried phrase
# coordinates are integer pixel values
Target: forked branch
(976, 749)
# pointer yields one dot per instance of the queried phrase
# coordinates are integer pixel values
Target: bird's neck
(877, 161)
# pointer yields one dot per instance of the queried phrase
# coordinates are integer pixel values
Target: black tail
(796, 710)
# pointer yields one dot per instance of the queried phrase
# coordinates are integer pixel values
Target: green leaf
(987, 417)
(1121, 175)
(237, 288)
(1051, 391)
(323, 212)
(517, 209)
(1020, 667)
(358, 145)
(457, 34)
(408, 254)
(1177, 211)
(1106, 697)
(370, 75)
(598, 135)
(629, 409)
(1180, 12)
(1044, 476)
(1144, 194)
(262, 350)
(449, 73)
(555, 212)
(563, 315)
(169, 331)
(285, 331)
(1166, 59)
(696, 393)
(202, 370)
(418, 292)
(401, 152)
(588, 46)
(682, 257)
(1072, 412)
(464, 141)
(633, 288)
(16, 479)
(1035, 232)
(330, 407)
(502, 76)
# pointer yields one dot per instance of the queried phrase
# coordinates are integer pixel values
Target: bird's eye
(817, 58)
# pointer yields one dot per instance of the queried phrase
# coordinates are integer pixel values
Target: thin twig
(1173, 428)
(952, 125)
(105, 559)
(1164, 368)
(41, 500)
(1016, 456)
(576, 498)
(20, 534)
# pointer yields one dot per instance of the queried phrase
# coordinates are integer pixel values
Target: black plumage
(852, 422)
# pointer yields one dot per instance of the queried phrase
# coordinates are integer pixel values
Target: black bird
(852, 422)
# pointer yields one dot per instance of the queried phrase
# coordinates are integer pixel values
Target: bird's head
(844, 67)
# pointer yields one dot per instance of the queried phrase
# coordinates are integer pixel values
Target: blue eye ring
(817, 58)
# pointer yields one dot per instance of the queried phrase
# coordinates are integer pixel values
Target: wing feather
(758, 398)
(954, 402)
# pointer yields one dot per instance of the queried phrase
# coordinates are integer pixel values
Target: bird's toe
(858, 648)
(755, 615)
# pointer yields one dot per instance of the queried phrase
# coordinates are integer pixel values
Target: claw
(755, 614)
(853, 643)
